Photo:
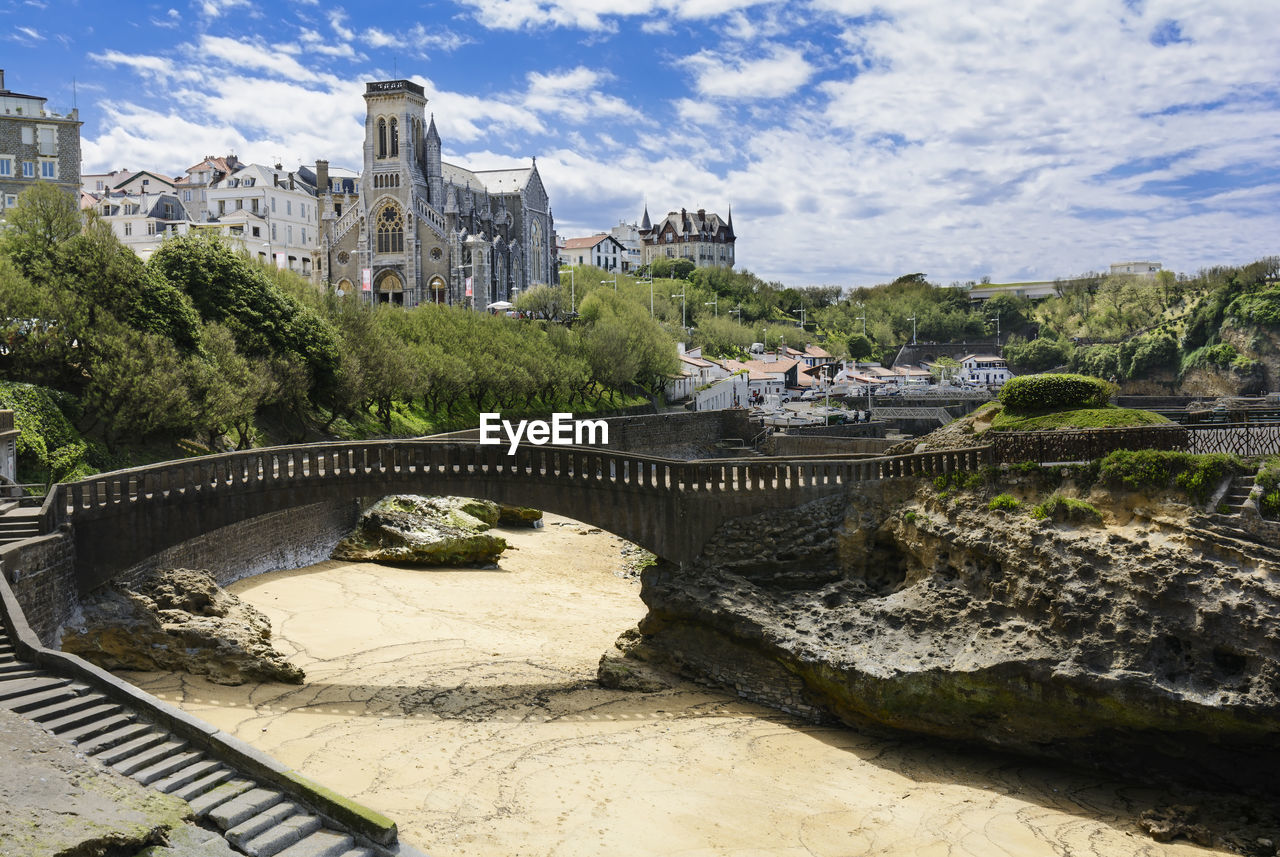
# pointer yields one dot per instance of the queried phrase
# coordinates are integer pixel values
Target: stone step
(62, 707)
(23, 670)
(192, 774)
(165, 767)
(97, 742)
(322, 843)
(81, 734)
(84, 716)
(127, 749)
(358, 852)
(281, 836)
(224, 791)
(11, 665)
(37, 692)
(243, 807)
(261, 822)
(150, 756)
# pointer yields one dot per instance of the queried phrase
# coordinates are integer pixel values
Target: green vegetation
(1067, 510)
(1157, 470)
(1034, 394)
(109, 361)
(1268, 479)
(1081, 418)
(1004, 502)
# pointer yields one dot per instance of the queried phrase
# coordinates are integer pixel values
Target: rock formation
(177, 619)
(1143, 645)
(405, 528)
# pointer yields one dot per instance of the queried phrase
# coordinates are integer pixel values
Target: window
(395, 138)
(273, 205)
(382, 138)
(151, 227)
(128, 229)
(254, 205)
(222, 206)
(186, 196)
(28, 136)
(239, 204)
(106, 210)
(289, 234)
(257, 232)
(168, 211)
(390, 226)
(304, 235)
(288, 206)
(28, 169)
(10, 200)
(337, 209)
(6, 167)
(273, 232)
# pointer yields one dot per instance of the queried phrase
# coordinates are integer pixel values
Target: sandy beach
(462, 703)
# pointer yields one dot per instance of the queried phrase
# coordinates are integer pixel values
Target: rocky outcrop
(519, 516)
(430, 531)
(177, 619)
(1127, 645)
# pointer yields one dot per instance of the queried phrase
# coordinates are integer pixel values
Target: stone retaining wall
(290, 538)
(42, 574)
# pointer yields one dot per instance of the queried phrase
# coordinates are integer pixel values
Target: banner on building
(468, 287)
(366, 279)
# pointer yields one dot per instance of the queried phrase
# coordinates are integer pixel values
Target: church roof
(505, 181)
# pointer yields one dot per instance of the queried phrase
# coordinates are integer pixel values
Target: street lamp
(862, 318)
(913, 329)
(802, 318)
(737, 311)
(648, 278)
(997, 321)
(682, 305)
(715, 303)
(573, 307)
(614, 281)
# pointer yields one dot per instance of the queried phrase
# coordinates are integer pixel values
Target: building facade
(270, 209)
(425, 231)
(36, 145)
(702, 238)
(602, 251)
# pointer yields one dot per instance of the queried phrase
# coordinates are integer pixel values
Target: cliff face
(1139, 644)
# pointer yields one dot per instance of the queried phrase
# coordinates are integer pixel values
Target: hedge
(1028, 394)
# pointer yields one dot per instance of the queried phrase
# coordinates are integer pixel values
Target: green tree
(45, 217)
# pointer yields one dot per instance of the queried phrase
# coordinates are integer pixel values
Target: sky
(855, 141)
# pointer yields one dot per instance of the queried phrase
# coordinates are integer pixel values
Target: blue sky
(855, 141)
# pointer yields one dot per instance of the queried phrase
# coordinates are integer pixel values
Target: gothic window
(436, 253)
(382, 138)
(395, 138)
(390, 225)
(535, 252)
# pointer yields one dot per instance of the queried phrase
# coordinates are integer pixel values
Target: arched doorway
(389, 289)
(437, 290)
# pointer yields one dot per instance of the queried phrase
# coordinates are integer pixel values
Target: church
(423, 231)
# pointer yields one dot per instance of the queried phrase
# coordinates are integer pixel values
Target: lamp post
(614, 281)
(862, 318)
(737, 311)
(573, 306)
(714, 303)
(913, 329)
(802, 318)
(648, 278)
(996, 319)
(681, 296)
(472, 301)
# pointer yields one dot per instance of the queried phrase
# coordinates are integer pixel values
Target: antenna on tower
(75, 101)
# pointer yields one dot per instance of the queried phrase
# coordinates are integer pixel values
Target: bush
(1157, 470)
(1003, 502)
(1028, 394)
(1067, 510)
(1036, 355)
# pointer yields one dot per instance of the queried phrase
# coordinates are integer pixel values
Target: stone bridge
(669, 507)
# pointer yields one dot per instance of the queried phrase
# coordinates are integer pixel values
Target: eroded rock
(1133, 647)
(177, 619)
(429, 531)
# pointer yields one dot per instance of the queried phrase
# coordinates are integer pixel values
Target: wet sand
(462, 704)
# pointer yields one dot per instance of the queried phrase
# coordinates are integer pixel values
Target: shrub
(1004, 502)
(1159, 470)
(1067, 510)
(1041, 393)
(1269, 481)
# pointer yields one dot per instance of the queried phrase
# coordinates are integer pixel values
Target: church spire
(645, 224)
(731, 221)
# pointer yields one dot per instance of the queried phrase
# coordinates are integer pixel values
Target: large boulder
(1145, 645)
(177, 619)
(430, 531)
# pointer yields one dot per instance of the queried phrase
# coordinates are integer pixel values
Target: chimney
(322, 177)
(290, 181)
(1, 79)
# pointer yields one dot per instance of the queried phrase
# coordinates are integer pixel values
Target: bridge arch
(671, 508)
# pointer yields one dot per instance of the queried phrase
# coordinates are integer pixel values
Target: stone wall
(290, 538)
(42, 574)
(787, 445)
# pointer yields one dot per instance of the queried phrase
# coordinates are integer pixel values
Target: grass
(1079, 418)
(1067, 510)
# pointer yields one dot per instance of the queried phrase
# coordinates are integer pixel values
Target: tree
(859, 347)
(44, 217)
(944, 368)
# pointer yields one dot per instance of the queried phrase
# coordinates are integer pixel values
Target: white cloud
(780, 72)
(217, 8)
(575, 95)
(593, 15)
(252, 55)
(338, 22)
(417, 39)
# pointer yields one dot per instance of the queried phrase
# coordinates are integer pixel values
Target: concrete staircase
(18, 522)
(253, 819)
(1232, 503)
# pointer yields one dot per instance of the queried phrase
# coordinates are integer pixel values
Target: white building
(628, 235)
(141, 221)
(983, 369)
(271, 210)
(1142, 269)
(602, 251)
